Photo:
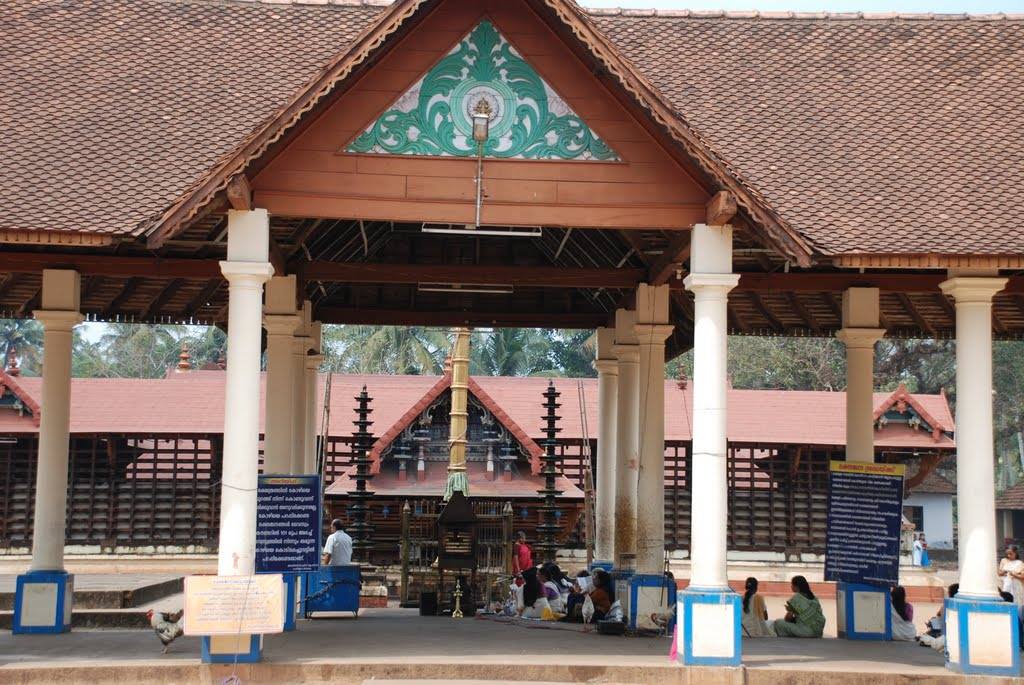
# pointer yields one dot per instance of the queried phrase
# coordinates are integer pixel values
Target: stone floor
(396, 643)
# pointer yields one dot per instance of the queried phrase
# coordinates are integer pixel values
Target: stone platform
(399, 645)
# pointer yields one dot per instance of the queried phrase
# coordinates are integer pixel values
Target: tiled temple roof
(862, 134)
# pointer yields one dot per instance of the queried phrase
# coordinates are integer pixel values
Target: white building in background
(930, 508)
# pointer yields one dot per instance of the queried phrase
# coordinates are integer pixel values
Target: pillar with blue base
(709, 628)
(863, 611)
(982, 636)
(43, 602)
(291, 595)
(648, 594)
(621, 584)
(232, 649)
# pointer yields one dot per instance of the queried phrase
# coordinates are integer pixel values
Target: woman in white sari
(755, 612)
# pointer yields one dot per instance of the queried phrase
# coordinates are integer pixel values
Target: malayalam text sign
(232, 605)
(865, 510)
(288, 524)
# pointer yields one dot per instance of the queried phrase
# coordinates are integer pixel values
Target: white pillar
(280, 321)
(975, 468)
(246, 270)
(627, 457)
(59, 315)
(607, 366)
(652, 328)
(860, 332)
(711, 280)
(300, 347)
(312, 370)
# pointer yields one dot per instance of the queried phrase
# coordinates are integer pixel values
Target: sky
(943, 6)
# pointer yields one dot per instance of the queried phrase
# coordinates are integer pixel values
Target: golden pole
(457, 479)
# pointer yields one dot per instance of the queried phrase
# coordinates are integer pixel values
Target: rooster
(167, 625)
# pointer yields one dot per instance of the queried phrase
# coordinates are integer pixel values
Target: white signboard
(231, 605)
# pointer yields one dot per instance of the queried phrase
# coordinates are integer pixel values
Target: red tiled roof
(885, 135)
(1012, 498)
(193, 403)
(523, 485)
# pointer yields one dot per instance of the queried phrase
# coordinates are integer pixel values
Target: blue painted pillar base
(291, 594)
(43, 602)
(648, 594)
(608, 566)
(231, 649)
(863, 612)
(982, 636)
(709, 628)
(620, 581)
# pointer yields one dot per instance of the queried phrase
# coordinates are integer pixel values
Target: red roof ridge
(8, 381)
(901, 394)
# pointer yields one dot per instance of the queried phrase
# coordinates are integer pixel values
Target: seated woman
(755, 612)
(531, 601)
(804, 617)
(935, 636)
(602, 594)
(902, 616)
(549, 575)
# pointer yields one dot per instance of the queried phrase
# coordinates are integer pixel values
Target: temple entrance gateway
(453, 163)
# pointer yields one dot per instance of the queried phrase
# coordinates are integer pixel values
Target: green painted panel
(528, 119)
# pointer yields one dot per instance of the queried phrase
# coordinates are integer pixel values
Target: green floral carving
(528, 120)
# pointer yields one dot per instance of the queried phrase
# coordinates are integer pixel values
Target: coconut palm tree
(23, 338)
(385, 349)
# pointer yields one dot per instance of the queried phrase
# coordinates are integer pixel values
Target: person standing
(522, 555)
(1011, 573)
(338, 548)
(918, 550)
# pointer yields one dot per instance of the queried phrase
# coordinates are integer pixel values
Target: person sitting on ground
(935, 636)
(804, 617)
(531, 600)
(577, 595)
(552, 592)
(338, 547)
(755, 612)
(902, 616)
(602, 594)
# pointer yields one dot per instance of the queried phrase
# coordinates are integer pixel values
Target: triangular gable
(9, 383)
(576, 27)
(444, 383)
(900, 400)
(482, 72)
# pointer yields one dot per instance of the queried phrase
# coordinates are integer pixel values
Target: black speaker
(428, 604)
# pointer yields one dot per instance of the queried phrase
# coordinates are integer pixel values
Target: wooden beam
(161, 299)
(109, 265)
(277, 258)
(500, 319)
(761, 307)
(804, 312)
(203, 296)
(32, 303)
(921, 322)
(127, 288)
(838, 282)
(482, 274)
(239, 193)
(721, 208)
(664, 267)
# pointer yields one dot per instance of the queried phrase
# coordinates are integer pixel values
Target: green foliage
(384, 349)
(25, 338)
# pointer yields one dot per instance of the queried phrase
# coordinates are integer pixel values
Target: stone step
(94, 618)
(115, 598)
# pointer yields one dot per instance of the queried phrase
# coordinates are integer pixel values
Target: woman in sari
(804, 617)
(755, 612)
(1011, 575)
(902, 616)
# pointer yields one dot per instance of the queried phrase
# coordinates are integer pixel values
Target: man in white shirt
(338, 548)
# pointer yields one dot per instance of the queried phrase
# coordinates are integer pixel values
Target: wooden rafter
(161, 299)
(400, 317)
(947, 306)
(804, 312)
(31, 304)
(484, 274)
(921, 322)
(762, 308)
(127, 288)
(116, 266)
(721, 208)
(239, 193)
(203, 296)
(664, 267)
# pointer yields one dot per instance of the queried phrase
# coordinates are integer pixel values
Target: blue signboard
(288, 521)
(865, 512)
